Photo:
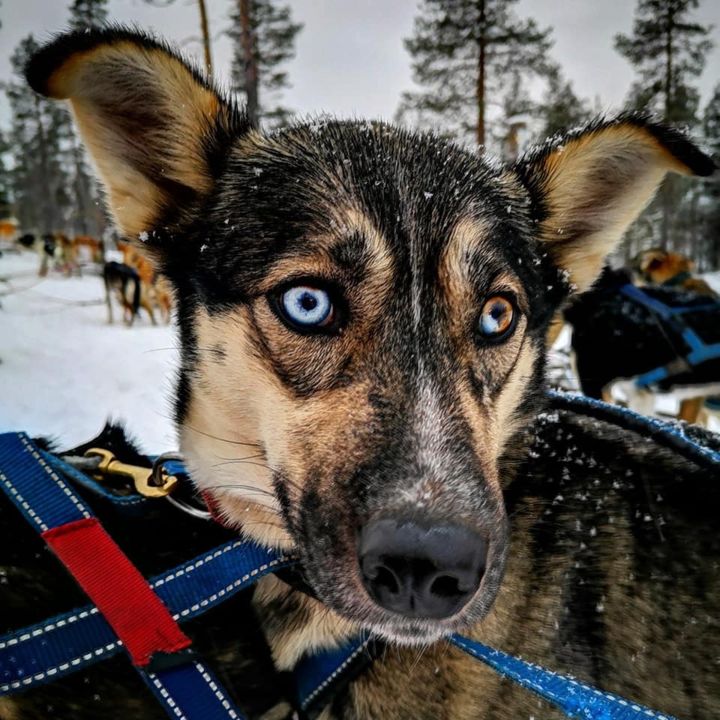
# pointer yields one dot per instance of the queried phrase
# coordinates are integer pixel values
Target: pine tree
(516, 109)
(204, 28)
(560, 109)
(5, 179)
(86, 14)
(86, 217)
(668, 51)
(264, 37)
(465, 51)
(709, 251)
(39, 178)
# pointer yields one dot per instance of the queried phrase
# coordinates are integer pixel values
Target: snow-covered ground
(713, 280)
(64, 370)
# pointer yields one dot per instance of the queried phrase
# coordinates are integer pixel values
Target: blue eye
(497, 318)
(306, 307)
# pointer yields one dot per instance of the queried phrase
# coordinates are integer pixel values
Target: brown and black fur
(401, 408)
(123, 282)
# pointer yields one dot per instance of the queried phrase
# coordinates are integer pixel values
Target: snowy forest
(484, 75)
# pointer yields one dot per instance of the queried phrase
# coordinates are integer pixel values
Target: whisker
(230, 461)
(232, 486)
(246, 462)
(216, 437)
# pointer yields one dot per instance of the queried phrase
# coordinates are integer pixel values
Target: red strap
(115, 585)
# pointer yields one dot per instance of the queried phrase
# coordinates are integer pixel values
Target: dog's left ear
(156, 128)
(588, 187)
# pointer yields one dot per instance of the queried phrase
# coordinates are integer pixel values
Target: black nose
(421, 571)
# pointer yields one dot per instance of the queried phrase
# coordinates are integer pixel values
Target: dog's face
(362, 315)
(368, 339)
(657, 266)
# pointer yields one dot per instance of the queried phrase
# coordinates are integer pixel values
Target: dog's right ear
(588, 187)
(155, 127)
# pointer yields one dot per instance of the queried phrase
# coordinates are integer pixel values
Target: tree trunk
(247, 40)
(205, 30)
(665, 190)
(81, 190)
(695, 251)
(480, 90)
(45, 193)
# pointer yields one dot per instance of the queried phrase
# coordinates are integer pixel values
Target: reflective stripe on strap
(320, 672)
(191, 692)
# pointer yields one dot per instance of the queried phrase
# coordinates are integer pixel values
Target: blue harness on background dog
(143, 617)
(698, 350)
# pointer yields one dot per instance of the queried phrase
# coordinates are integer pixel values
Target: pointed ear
(588, 187)
(155, 127)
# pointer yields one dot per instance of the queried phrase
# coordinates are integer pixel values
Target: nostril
(385, 580)
(381, 578)
(445, 586)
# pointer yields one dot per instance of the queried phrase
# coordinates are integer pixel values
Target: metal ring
(189, 509)
(181, 505)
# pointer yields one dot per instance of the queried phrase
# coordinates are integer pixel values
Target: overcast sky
(350, 57)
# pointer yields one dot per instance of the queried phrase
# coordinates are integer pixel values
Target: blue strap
(63, 644)
(190, 691)
(699, 351)
(46, 501)
(574, 698)
(43, 498)
(317, 672)
(653, 377)
(668, 434)
(660, 308)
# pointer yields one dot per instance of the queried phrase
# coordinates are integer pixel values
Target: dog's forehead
(379, 168)
(286, 191)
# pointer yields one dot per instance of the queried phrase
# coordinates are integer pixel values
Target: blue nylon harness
(184, 686)
(699, 350)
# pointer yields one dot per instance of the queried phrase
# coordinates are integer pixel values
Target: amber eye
(497, 319)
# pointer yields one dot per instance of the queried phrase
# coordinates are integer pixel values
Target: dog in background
(615, 339)
(123, 282)
(364, 310)
(92, 247)
(661, 267)
(155, 292)
(52, 248)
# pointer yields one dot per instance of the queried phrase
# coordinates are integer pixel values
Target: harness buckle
(153, 482)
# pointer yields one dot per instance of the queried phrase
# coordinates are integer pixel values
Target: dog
(26, 240)
(123, 282)
(45, 247)
(54, 250)
(660, 267)
(616, 339)
(154, 290)
(362, 313)
(92, 248)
